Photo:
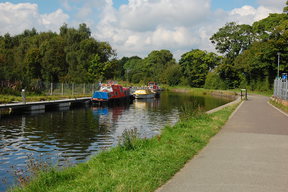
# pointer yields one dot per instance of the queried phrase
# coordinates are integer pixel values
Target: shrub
(213, 81)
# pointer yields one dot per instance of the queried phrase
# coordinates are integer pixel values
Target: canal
(72, 136)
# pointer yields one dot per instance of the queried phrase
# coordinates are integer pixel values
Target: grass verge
(143, 166)
(279, 106)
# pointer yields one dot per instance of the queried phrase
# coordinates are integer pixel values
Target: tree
(232, 39)
(264, 28)
(54, 66)
(285, 9)
(98, 71)
(134, 67)
(156, 62)
(196, 65)
(172, 75)
(32, 64)
(260, 61)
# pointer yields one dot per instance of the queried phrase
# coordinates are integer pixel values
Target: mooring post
(23, 96)
(51, 89)
(62, 88)
(244, 94)
(93, 88)
(84, 89)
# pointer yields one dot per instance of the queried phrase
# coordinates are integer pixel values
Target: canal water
(72, 136)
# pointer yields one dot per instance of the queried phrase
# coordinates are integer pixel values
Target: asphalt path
(249, 154)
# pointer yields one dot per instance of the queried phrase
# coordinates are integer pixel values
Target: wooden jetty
(24, 107)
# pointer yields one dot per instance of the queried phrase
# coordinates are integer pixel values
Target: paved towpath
(250, 154)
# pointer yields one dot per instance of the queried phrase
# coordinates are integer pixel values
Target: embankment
(137, 164)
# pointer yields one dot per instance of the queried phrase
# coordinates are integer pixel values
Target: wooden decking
(11, 108)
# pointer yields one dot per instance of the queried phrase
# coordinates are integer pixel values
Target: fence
(69, 89)
(50, 88)
(281, 88)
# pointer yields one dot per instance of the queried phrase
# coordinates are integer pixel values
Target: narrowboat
(154, 88)
(111, 93)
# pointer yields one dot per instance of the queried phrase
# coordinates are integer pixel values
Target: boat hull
(144, 96)
(111, 93)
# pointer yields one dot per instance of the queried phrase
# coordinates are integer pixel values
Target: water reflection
(77, 134)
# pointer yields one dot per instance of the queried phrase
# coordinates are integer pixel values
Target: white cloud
(143, 15)
(53, 20)
(248, 14)
(140, 26)
(273, 5)
(178, 25)
(15, 18)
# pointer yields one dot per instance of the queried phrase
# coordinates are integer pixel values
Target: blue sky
(140, 26)
(231, 4)
(46, 6)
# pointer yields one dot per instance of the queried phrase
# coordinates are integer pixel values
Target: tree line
(247, 58)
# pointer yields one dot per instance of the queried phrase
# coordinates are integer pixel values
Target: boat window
(106, 88)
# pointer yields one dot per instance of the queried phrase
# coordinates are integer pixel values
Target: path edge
(208, 112)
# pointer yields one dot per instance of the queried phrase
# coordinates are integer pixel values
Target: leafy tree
(119, 70)
(213, 81)
(95, 70)
(33, 64)
(196, 65)
(155, 62)
(100, 70)
(285, 9)
(264, 28)
(134, 67)
(54, 67)
(172, 75)
(232, 39)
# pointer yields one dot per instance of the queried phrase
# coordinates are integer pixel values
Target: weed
(33, 166)
(190, 110)
(128, 139)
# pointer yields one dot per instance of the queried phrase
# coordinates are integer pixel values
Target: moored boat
(154, 88)
(143, 94)
(110, 93)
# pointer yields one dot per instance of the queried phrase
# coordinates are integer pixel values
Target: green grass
(264, 93)
(211, 91)
(202, 91)
(144, 166)
(279, 106)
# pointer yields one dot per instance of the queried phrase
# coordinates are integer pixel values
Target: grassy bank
(137, 164)
(202, 91)
(279, 106)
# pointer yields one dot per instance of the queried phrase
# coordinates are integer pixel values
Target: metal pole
(23, 96)
(278, 64)
(84, 89)
(93, 88)
(51, 89)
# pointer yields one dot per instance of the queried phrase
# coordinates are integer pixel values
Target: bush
(213, 81)
(184, 81)
(172, 75)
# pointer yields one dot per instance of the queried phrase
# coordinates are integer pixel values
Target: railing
(52, 88)
(69, 88)
(281, 88)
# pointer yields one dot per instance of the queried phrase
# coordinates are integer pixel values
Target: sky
(137, 27)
